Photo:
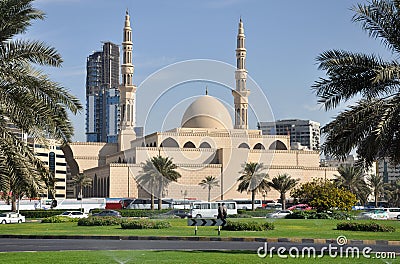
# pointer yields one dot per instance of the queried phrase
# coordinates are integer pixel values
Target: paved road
(10, 245)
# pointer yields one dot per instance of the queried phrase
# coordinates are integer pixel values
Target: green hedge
(42, 213)
(59, 219)
(338, 215)
(248, 226)
(256, 213)
(136, 212)
(99, 221)
(239, 216)
(145, 224)
(370, 227)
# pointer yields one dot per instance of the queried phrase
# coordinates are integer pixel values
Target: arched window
(205, 145)
(189, 144)
(259, 146)
(169, 143)
(244, 145)
(277, 145)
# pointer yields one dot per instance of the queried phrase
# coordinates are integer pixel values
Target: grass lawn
(295, 228)
(185, 257)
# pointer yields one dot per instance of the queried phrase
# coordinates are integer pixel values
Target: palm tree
(81, 180)
(156, 174)
(375, 182)
(209, 182)
(283, 183)
(253, 180)
(29, 100)
(372, 124)
(352, 179)
(392, 193)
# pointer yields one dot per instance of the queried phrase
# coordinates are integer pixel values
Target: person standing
(224, 211)
(220, 211)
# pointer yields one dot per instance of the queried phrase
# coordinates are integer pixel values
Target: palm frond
(16, 16)
(380, 19)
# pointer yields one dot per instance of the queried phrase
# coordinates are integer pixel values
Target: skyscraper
(102, 81)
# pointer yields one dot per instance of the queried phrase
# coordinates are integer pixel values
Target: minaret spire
(127, 90)
(240, 94)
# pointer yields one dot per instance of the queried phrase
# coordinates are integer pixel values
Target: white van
(392, 212)
(210, 209)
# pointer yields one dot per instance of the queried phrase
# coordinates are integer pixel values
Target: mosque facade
(206, 144)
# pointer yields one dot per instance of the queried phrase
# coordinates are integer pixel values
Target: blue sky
(283, 38)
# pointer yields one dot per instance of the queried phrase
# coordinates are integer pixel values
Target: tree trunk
(209, 193)
(159, 203)
(152, 202)
(13, 202)
(283, 200)
(376, 198)
(253, 197)
(160, 191)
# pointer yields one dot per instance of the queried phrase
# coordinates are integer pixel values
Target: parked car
(10, 217)
(398, 217)
(74, 214)
(175, 213)
(374, 214)
(300, 207)
(279, 214)
(108, 213)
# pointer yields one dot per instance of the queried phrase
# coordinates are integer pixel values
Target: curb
(200, 238)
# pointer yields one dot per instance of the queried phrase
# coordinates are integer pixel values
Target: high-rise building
(303, 132)
(388, 170)
(102, 81)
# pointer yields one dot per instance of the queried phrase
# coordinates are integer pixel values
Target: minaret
(241, 94)
(127, 90)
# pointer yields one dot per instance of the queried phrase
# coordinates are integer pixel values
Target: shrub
(99, 221)
(370, 227)
(59, 219)
(248, 226)
(145, 224)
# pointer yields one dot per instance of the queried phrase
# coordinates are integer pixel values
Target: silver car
(279, 214)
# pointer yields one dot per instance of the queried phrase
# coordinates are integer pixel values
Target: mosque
(206, 144)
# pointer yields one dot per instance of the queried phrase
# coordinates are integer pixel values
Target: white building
(305, 132)
(52, 155)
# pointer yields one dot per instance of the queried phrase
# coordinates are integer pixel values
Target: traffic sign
(206, 222)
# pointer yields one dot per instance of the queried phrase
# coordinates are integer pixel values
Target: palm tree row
(353, 179)
(29, 100)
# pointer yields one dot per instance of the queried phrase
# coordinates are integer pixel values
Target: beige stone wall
(90, 154)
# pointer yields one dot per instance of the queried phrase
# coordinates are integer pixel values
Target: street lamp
(184, 198)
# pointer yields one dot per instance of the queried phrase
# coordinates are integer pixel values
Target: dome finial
(206, 90)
